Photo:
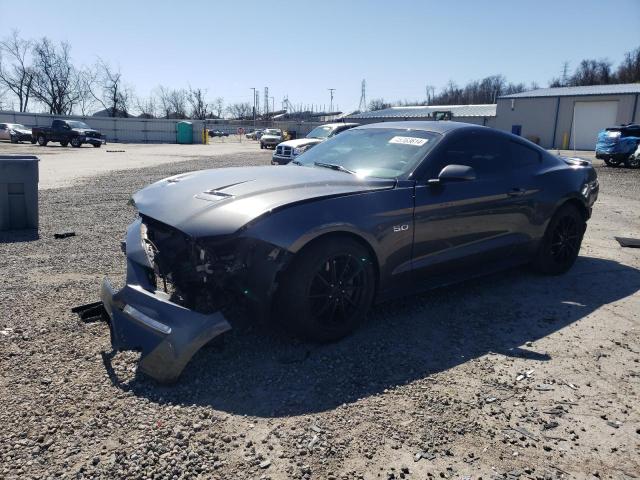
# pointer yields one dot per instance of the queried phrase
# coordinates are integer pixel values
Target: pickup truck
(67, 132)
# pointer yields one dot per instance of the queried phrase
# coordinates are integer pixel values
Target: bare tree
(86, 85)
(110, 91)
(173, 102)
(56, 82)
(200, 109)
(629, 70)
(240, 110)
(378, 104)
(218, 106)
(147, 106)
(16, 75)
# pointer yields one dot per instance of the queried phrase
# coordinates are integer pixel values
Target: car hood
(221, 201)
(84, 131)
(300, 142)
(21, 130)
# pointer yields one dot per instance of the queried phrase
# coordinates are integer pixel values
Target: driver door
(465, 227)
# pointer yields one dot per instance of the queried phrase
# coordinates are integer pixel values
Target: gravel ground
(510, 376)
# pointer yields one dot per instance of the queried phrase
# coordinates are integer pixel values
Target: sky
(300, 49)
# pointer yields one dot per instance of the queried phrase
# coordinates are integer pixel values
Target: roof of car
(440, 126)
(338, 124)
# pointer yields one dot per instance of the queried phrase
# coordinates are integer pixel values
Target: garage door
(588, 119)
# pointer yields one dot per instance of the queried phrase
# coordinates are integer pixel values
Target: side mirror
(454, 173)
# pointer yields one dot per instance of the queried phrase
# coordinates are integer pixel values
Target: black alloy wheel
(328, 289)
(560, 245)
(336, 291)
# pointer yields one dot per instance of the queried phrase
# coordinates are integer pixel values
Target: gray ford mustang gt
(379, 211)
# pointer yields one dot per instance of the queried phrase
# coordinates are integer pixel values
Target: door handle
(516, 192)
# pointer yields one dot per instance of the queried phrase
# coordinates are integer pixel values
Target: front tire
(613, 161)
(560, 245)
(97, 145)
(633, 161)
(64, 144)
(328, 290)
(14, 139)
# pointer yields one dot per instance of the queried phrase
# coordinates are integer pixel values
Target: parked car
(287, 151)
(616, 145)
(218, 133)
(14, 132)
(381, 210)
(271, 137)
(634, 160)
(255, 134)
(67, 132)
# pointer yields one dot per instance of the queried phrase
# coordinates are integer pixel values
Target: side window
(3, 126)
(522, 156)
(485, 152)
(57, 124)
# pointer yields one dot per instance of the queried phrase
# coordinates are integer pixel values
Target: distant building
(476, 114)
(108, 112)
(568, 117)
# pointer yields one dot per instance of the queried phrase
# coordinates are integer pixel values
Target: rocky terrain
(513, 376)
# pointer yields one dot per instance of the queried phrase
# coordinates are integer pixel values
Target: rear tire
(560, 245)
(612, 161)
(42, 141)
(33, 141)
(327, 291)
(75, 142)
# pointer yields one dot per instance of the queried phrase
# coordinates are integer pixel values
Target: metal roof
(426, 111)
(616, 89)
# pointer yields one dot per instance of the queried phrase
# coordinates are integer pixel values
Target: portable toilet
(18, 192)
(184, 132)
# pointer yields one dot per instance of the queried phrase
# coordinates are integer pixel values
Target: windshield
(320, 132)
(271, 132)
(373, 152)
(77, 124)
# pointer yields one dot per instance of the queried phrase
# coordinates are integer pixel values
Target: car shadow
(258, 371)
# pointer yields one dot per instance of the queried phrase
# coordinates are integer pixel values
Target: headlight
(12, 132)
(298, 150)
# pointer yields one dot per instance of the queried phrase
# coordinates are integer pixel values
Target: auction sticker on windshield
(418, 142)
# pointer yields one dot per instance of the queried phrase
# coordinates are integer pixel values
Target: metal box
(18, 192)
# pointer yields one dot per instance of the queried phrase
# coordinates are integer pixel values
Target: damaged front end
(176, 288)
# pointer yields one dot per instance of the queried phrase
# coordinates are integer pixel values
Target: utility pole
(254, 106)
(331, 90)
(363, 96)
(266, 100)
(273, 104)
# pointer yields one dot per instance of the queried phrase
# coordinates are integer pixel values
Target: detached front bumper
(144, 319)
